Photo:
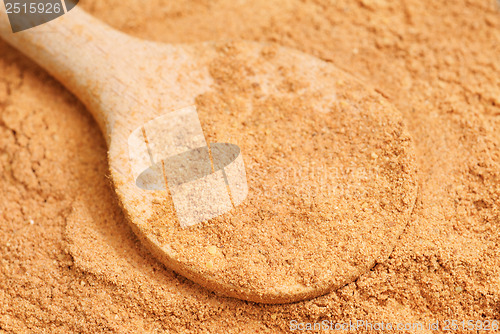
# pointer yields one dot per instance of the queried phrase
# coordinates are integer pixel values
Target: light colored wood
(125, 82)
(96, 63)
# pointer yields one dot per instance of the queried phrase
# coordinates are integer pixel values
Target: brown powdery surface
(70, 263)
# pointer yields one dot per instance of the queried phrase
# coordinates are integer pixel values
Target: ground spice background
(70, 263)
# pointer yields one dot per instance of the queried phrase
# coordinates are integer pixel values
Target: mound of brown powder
(69, 262)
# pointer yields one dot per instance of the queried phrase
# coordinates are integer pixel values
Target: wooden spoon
(331, 179)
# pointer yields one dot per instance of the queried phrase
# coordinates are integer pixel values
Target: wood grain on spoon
(329, 163)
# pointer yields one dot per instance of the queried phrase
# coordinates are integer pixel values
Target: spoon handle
(84, 54)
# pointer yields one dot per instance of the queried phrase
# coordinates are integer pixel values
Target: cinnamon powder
(70, 263)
